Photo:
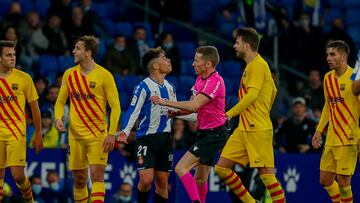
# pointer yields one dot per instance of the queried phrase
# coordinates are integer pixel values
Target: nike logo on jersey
(257, 161)
(344, 169)
(195, 148)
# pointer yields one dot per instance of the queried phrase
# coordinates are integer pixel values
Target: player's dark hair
(248, 35)
(6, 43)
(150, 55)
(340, 45)
(91, 43)
(209, 53)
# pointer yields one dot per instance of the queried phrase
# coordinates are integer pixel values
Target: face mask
(168, 45)
(118, 48)
(55, 186)
(125, 198)
(140, 42)
(36, 188)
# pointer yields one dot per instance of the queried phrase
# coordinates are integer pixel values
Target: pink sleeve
(211, 87)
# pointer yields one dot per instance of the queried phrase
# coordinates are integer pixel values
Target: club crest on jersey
(92, 84)
(342, 87)
(172, 93)
(14, 86)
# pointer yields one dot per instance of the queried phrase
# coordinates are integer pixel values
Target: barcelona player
(16, 87)
(340, 115)
(90, 87)
(251, 142)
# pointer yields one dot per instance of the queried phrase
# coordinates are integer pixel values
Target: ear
(156, 66)
(208, 64)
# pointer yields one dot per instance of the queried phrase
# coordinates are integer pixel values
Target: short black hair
(6, 43)
(150, 55)
(340, 45)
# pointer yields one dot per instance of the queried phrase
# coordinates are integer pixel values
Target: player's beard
(240, 54)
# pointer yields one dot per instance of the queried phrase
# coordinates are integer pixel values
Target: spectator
(10, 33)
(49, 133)
(77, 27)
(138, 47)
(13, 16)
(124, 194)
(56, 193)
(338, 33)
(36, 188)
(178, 132)
(35, 41)
(61, 8)
(167, 42)
(118, 60)
(41, 85)
(54, 33)
(314, 92)
(279, 110)
(296, 132)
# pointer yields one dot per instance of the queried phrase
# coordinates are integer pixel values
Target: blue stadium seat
(182, 97)
(335, 3)
(222, 3)
(202, 12)
(236, 82)
(351, 16)
(230, 86)
(131, 81)
(119, 81)
(110, 27)
(351, 4)
(226, 29)
(231, 100)
(100, 10)
(232, 69)
(173, 80)
(354, 32)
(124, 100)
(5, 5)
(65, 62)
(187, 50)
(332, 14)
(124, 28)
(181, 34)
(26, 6)
(186, 83)
(113, 9)
(48, 64)
(42, 7)
(186, 67)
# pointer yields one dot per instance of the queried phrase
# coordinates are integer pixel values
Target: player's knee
(80, 180)
(325, 182)
(180, 171)
(145, 181)
(343, 181)
(18, 177)
(200, 181)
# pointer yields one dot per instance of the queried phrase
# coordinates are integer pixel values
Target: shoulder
(69, 71)
(21, 74)
(103, 71)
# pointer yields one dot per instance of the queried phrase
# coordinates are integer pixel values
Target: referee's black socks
(143, 196)
(159, 199)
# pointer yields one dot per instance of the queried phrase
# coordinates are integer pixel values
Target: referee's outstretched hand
(121, 137)
(109, 143)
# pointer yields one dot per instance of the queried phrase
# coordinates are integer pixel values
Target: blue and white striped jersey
(152, 118)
